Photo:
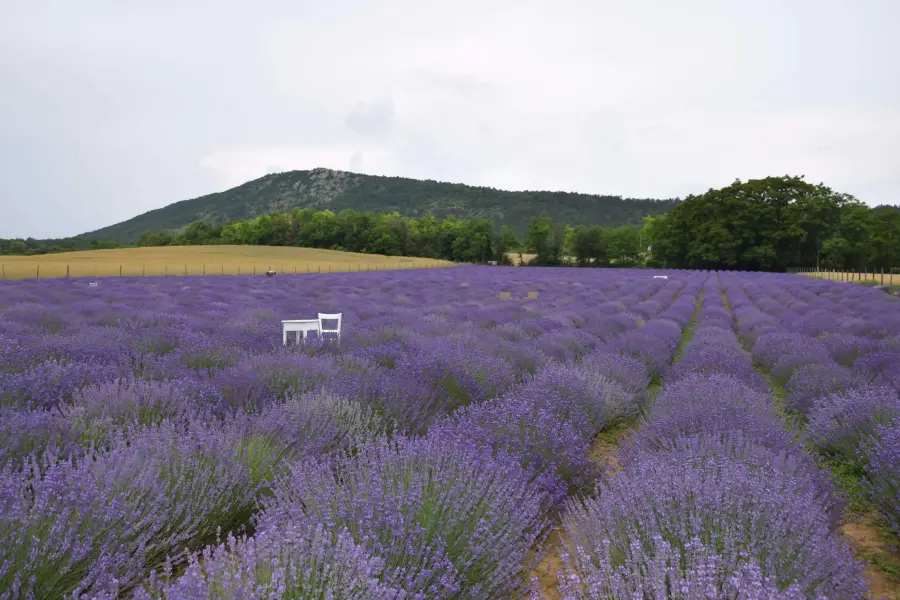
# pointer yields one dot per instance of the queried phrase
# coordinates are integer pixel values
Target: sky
(111, 108)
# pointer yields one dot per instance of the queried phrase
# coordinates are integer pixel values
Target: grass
(200, 260)
(868, 278)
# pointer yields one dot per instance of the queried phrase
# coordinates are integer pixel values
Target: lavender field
(158, 441)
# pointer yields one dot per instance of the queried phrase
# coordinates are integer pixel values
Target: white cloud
(111, 109)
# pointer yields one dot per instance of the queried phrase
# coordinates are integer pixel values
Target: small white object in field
(93, 284)
(660, 277)
(298, 326)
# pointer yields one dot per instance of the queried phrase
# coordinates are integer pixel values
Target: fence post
(254, 269)
(295, 268)
(4, 270)
(67, 270)
(37, 274)
(166, 270)
(120, 270)
(882, 275)
(239, 269)
(204, 268)
(143, 270)
(320, 268)
(185, 270)
(223, 269)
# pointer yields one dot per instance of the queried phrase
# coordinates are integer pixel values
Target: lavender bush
(701, 507)
(448, 518)
(303, 561)
(839, 422)
(883, 469)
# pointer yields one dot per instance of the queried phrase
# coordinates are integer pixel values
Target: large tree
(761, 224)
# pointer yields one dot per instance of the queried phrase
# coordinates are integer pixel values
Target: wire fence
(888, 277)
(53, 270)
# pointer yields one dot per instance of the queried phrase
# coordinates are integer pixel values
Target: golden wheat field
(200, 260)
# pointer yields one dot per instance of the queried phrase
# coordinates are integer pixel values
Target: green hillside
(338, 190)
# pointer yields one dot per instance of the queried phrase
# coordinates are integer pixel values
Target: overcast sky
(110, 108)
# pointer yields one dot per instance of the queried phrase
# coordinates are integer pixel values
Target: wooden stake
(38, 274)
(67, 270)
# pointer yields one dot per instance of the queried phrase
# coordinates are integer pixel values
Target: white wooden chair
(330, 317)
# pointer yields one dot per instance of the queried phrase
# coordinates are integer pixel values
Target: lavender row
(715, 499)
(844, 384)
(195, 426)
(539, 433)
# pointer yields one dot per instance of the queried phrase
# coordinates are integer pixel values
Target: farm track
(860, 529)
(603, 452)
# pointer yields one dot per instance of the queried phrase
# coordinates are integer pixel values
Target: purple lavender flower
(447, 517)
(628, 372)
(317, 423)
(883, 469)
(24, 433)
(715, 403)
(813, 381)
(839, 422)
(302, 560)
(694, 507)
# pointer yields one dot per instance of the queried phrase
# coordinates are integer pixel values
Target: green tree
(761, 224)
(197, 233)
(509, 239)
(589, 246)
(884, 249)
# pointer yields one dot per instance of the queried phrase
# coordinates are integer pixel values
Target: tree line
(767, 224)
(773, 224)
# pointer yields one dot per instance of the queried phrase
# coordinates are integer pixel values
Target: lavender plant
(883, 470)
(695, 506)
(304, 561)
(448, 518)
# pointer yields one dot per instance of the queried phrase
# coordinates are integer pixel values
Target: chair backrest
(330, 317)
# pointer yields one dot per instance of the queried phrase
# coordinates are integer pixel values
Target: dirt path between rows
(602, 452)
(862, 531)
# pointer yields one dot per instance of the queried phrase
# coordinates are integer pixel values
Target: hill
(338, 190)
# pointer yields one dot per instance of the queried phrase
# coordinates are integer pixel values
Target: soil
(870, 544)
(550, 565)
(603, 453)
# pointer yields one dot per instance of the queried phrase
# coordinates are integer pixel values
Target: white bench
(298, 325)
